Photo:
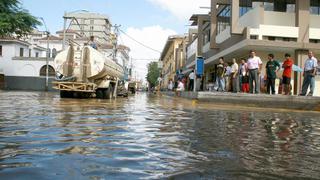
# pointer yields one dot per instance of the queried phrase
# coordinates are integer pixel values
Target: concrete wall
(251, 18)
(279, 18)
(26, 83)
(314, 21)
(224, 35)
(278, 24)
(21, 67)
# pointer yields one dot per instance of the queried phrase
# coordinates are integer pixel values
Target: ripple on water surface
(151, 137)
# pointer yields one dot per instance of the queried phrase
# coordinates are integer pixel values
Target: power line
(140, 42)
(144, 59)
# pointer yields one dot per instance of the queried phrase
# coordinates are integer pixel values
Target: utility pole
(47, 63)
(47, 55)
(115, 41)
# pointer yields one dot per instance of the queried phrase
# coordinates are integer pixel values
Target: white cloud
(183, 9)
(152, 36)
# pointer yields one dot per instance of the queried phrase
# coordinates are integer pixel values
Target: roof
(14, 40)
(39, 47)
(168, 43)
(51, 38)
(194, 18)
(123, 47)
(67, 31)
(83, 14)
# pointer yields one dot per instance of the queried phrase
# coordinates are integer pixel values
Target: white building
(23, 65)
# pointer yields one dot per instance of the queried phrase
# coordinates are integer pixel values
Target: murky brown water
(149, 137)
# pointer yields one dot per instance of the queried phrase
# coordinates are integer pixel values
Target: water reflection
(151, 137)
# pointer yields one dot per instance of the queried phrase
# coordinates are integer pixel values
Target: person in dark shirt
(272, 67)
(220, 75)
(92, 43)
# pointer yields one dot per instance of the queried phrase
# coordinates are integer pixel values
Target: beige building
(90, 24)
(277, 27)
(173, 58)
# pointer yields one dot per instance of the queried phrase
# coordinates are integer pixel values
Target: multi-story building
(123, 59)
(172, 57)
(90, 24)
(277, 27)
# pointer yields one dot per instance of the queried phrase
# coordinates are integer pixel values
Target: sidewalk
(254, 100)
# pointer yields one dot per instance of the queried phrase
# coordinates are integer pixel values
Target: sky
(148, 21)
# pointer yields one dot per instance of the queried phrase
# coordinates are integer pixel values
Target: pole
(195, 76)
(47, 56)
(64, 31)
(47, 63)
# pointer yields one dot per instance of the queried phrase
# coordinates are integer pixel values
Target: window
(0, 50)
(288, 6)
(245, 6)
(37, 54)
(29, 52)
(54, 52)
(91, 21)
(43, 71)
(315, 7)
(224, 19)
(21, 52)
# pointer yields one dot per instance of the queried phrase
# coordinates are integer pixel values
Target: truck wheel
(108, 93)
(99, 93)
(66, 94)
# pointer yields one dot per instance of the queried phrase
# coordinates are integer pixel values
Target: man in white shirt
(310, 69)
(191, 80)
(234, 76)
(254, 64)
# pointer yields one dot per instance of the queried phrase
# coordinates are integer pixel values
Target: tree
(153, 74)
(15, 20)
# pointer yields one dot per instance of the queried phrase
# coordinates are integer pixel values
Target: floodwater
(152, 137)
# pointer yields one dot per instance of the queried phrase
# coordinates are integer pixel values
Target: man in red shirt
(286, 76)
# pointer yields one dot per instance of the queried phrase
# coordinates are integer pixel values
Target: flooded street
(151, 137)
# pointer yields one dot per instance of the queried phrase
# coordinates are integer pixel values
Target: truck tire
(99, 93)
(66, 94)
(108, 93)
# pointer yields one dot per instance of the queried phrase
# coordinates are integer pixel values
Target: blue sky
(148, 21)
(128, 13)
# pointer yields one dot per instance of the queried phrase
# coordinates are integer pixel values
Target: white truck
(85, 72)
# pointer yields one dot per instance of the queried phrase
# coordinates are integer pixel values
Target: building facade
(23, 65)
(172, 58)
(276, 27)
(90, 24)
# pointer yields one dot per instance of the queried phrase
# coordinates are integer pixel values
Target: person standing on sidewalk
(244, 79)
(286, 76)
(234, 76)
(272, 67)
(191, 80)
(310, 70)
(254, 67)
(220, 75)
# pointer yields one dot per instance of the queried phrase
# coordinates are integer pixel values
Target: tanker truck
(85, 72)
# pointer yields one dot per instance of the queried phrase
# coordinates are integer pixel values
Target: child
(245, 83)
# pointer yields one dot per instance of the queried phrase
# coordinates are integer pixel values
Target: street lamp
(47, 55)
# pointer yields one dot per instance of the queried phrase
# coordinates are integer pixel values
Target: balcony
(276, 24)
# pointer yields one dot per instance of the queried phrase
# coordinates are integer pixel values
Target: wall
(17, 50)
(224, 35)
(251, 18)
(279, 18)
(314, 21)
(26, 83)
